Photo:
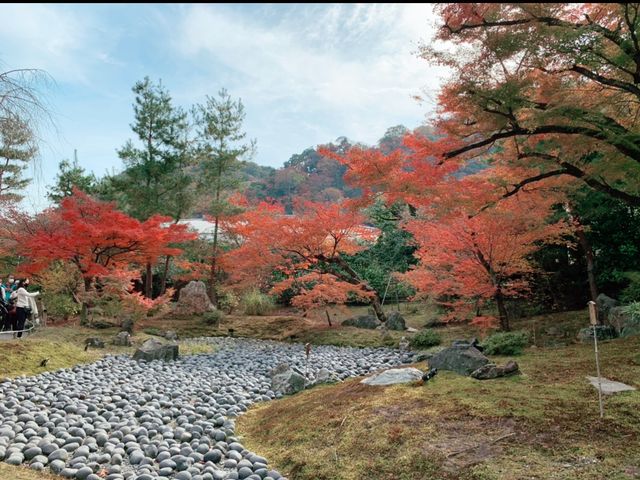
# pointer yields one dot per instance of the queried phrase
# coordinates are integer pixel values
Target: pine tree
(17, 149)
(155, 180)
(221, 147)
(70, 175)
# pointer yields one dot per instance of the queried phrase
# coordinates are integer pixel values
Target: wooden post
(307, 351)
(593, 317)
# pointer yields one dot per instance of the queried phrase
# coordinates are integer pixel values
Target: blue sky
(306, 73)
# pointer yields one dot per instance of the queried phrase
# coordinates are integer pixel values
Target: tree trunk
(588, 254)
(588, 251)
(84, 312)
(377, 307)
(148, 281)
(502, 311)
(165, 272)
(355, 279)
(328, 317)
(213, 296)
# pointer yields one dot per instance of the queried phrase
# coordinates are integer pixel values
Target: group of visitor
(17, 304)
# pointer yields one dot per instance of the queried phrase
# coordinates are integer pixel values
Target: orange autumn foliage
(306, 249)
(467, 261)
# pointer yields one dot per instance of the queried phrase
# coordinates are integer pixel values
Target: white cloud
(42, 36)
(355, 62)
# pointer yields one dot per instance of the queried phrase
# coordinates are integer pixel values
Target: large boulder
(491, 370)
(362, 321)
(193, 299)
(286, 381)
(325, 375)
(395, 321)
(393, 376)
(122, 339)
(604, 305)
(624, 322)
(462, 359)
(154, 349)
(604, 332)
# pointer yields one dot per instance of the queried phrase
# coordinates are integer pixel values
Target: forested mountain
(311, 176)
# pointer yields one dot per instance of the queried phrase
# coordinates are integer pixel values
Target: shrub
(506, 343)
(632, 292)
(256, 303)
(213, 317)
(228, 301)
(634, 310)
(60, 305)
(425, 339)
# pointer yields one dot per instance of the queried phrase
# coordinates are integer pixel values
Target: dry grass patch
(9, 472)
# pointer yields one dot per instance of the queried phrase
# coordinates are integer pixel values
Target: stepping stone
(393, 376)
(609, 387)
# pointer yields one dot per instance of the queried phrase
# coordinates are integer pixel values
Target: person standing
(4, 310)
(22, 304)
(10, 287)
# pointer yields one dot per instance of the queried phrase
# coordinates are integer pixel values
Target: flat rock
(393, 376)
(491, 370)
(609, 387)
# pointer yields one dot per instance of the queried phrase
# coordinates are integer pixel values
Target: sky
(306, 74)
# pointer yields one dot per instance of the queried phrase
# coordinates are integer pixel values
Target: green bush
(633, 309)
(213, 317)
(506, 343)
(425, 339)
(632, 292)
(59, 305)
(256, 303)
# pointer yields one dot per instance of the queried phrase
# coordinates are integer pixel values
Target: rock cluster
(119, 419)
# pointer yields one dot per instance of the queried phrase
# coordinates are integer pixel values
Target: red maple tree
(469, 260)
(306, 249)
(546, 90)
(97, 238)
(472, 247)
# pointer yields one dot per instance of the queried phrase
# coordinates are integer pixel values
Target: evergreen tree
(70, 175)
(17, 149)
(155, 180)
(221, 146)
